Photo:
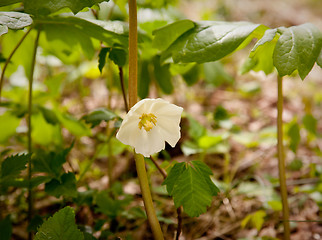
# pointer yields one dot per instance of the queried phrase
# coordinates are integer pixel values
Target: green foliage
(297, 48)
(216, 75)
(310, 123)
(61, 226)
(256, 219)
(66, 186)
(101, 114)
(207, 41)
(294, 135)
(5, 228)
(41, 8)
(13, 20)
(191, 187)
(162, 75)
(13, 165)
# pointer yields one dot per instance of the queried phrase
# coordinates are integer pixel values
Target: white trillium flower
(149, 124)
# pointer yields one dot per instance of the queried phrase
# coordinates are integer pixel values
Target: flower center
(147, 121)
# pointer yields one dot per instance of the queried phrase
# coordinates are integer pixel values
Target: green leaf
(297, 49)
(13, 20)
(60, 227)
(40, 7)
(256, 219)
(73, 125)
(294, 134)
(118, 56)
(165, 36)
(212, 40)
(191, 187)
(310, 123)
(261, 56)
(65, 187)
(98, 115)
(8, 2)
(143, 79)
(196, 130)
(5, 228)
(162, 75)
(102, 58)
(49, 115)
(13, 165)
(173, 177)
(216, 75)
(319, 60)
(8, 125)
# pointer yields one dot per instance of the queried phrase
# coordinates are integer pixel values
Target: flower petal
(169, 130)
(149, 143)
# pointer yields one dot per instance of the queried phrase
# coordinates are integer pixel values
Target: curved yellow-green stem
(139, 159)
(281, 159)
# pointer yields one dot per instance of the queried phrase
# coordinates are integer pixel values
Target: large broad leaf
(297, 48)
(212, 40)
(319, 60)
(60, 227)
(162, 75)
(41, 7)
(13, 20)
(8, 2)
(191, 187)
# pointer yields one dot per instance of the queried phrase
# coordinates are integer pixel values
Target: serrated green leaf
(5, 228)
(294, 135)
(162, 75)
(102, 58)
(212, 40)
(297, 49)
(13, 20)
(205, 171)
(310, 123)
(13, 165)
(60, 227)
(191, 192)
(8, 125)
(41, 8)
(65, 187)
(118, 56)
(165, 36)
(98, 115)
(173, 176)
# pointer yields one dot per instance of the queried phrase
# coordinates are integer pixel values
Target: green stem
(139, 159)
(147, 199)
(31, 77)
(9, 58)
(281, 159)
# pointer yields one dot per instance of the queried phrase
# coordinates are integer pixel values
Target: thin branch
(163, 173)
(9, 58)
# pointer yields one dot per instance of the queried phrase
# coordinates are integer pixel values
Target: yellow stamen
(147, 121)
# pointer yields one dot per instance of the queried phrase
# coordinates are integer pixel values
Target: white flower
(149, 124)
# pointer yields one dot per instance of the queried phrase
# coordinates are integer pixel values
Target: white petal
(149, 142)
(169, 130)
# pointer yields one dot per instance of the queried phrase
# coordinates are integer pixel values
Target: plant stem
(147, 199)
(31, 77)
(9, 58)
(133, 51)
(281, 159)
(139, 159)
(163, 173)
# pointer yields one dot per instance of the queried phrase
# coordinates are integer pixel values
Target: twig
(163, 173)
(123, 88)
